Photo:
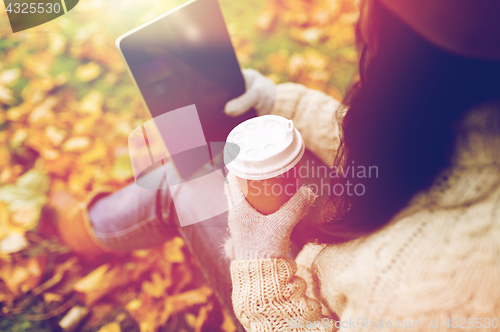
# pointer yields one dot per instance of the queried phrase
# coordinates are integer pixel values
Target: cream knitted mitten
(256, 236)
(259, 94)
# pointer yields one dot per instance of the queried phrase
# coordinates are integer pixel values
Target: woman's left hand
(257, 236)
(259, 94)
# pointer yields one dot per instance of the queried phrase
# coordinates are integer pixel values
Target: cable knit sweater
(435, 266)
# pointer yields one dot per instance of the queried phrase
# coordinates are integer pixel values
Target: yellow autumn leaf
(92, 103)
(202, 316)
(296, 64)
(183, 301)
(147, 313)
(73, 318)
(85, 125)
(10, 76)
(111, 327)
(4, 220)
(55, 135)
(52, 297)
(173, 250)
(13, 242)
(122, 170)
(265, 21)
(24, 201)
(18, 137)
(43, 114)
(18, 112)
(88, 72)
(59, 272)
(158, 285)
(25, 215)
(76, 144)
(190, 319)
(5, 95)
(57, 43)
(23, 276)
(315, 60)
(98, 152)
(227, 323)
(100, 282)
(133, 305)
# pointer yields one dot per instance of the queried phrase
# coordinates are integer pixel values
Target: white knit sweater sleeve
(269, 296)
(316, 116)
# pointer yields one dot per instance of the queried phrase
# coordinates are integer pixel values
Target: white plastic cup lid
(269, 146)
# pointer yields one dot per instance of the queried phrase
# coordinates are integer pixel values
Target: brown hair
(401, 119)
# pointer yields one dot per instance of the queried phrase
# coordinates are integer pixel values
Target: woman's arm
(316, 115)
(269, 296)
(267, 293)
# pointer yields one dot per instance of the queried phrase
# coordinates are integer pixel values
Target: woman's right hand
(258, 236)
(259, 94)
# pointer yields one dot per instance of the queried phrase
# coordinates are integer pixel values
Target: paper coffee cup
(266, 163)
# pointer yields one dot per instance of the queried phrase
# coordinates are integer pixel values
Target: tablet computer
(185, 57)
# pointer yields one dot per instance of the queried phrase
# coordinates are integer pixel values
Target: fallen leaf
(122, 169)
(10, 76)
(5, 95)
(55, 135)
(43, 114)
(133, 305)
(13, 242)
(315, 60)
(23, 276)
(100, 282)
(73, 318)
(26, 216)
(52, 297)
(183, 301)
(146, 313)
(158, 285)
(97, 153)
(88, 72)
(76, 144)
(18, 112)
(111, 327)
(25, 200)
(265, 21)
(92, 103)
(57, 43)
(227, 323)
(172, 250)
(18, 138)
(59, 272)
(202, 316)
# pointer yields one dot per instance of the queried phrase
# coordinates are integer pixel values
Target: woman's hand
(259, 94)
(256, 236)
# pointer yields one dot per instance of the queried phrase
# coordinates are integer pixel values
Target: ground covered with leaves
(67, 106)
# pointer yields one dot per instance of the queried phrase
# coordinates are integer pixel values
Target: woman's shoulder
(464, 198)
(450, 252)
(439, 252)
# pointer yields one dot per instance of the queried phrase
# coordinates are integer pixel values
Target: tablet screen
(185, 58)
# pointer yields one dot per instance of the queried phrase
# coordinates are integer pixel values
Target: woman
(419, 249)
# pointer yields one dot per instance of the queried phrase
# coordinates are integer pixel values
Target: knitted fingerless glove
(257, 236)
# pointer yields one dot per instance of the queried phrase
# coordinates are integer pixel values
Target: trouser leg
(133, 217)
(136, 218)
